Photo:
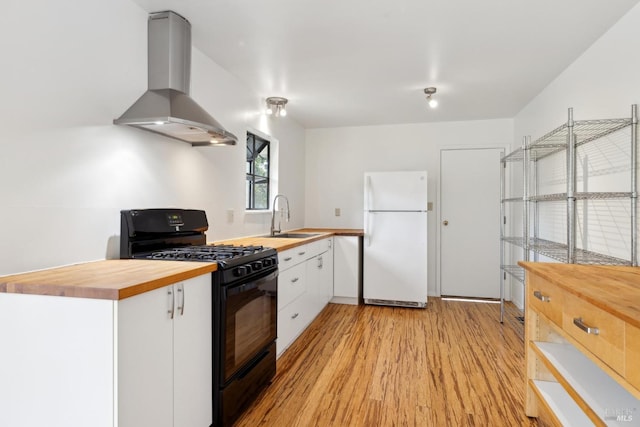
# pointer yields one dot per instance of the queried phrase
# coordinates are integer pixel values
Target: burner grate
(205, 253)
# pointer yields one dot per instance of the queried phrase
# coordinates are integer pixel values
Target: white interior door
(470, 222)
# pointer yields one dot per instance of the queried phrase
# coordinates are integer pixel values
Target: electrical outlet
(230, 214)
(429, 206)
(337, 211)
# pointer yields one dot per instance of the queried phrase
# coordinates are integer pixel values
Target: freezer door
(395, 191)
(395, 257)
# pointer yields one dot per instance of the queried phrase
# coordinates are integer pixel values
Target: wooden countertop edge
(581, 280)
(166, 280)
(119, 284)
(355, 232)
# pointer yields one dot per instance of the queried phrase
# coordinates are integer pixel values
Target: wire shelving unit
(565, 138)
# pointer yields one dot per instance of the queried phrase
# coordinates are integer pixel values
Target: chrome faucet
(273, 214)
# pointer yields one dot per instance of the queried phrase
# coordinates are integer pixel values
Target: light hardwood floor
(452, 364)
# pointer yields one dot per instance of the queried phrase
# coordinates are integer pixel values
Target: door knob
(445, 222)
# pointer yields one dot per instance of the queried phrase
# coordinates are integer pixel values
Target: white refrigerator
(395, 238)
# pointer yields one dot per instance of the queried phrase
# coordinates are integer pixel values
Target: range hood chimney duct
(166, 107)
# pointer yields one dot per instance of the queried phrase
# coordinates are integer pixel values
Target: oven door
(249, 321)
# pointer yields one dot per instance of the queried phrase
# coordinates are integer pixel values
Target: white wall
(337, 159)
(68, 69)
(602, 83)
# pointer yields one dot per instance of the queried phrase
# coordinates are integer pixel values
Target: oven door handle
(253, 284)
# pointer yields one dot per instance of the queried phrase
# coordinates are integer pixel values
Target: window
(257, 172)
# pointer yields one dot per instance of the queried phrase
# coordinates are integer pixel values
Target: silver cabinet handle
(588, 329)
(287, 258)
(172, 302)
(320, 262)
(181, 299)
(294, 280)
(543, 298)
(295, 315)
(302, 253)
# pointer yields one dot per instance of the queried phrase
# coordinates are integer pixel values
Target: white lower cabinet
(305, 285)
(164, 356)
(320, 279)
(103, 363)
(346, 269)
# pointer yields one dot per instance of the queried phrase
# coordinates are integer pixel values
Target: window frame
(250, 170)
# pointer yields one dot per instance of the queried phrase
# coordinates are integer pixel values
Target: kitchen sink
(294, 235)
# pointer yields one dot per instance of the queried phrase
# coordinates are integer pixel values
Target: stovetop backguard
(147, 230)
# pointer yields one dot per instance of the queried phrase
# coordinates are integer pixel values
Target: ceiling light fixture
(433, 103)
(276, 106)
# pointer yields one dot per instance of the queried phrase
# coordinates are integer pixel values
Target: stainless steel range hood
(166, 108)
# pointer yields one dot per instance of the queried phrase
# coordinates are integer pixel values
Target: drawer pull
(302, 253)
(294, 280)
(288, 258)
(543, 298)
(295, 315)
(588, 329)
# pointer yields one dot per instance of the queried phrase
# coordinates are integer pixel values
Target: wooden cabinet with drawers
(582, 338)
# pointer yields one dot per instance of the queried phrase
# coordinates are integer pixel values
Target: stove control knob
(267, 262)
(257, 265)
(240, 271)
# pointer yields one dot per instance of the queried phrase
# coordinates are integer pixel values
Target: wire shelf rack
(566, 139)
(515, 156)
(558, 252)
(513, 199)
(581, 196)
(584, 130)
(515, 271)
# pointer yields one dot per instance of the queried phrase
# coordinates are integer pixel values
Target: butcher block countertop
(282, 244)
(615, 289)
(123, 278)
(114, 279)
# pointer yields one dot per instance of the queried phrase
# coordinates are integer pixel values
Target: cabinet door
(313, 297)
(145, 359)
(319, 279)
(192, 339)
(346, 266)
(327, 275)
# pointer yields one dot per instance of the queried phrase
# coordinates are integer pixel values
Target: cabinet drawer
(632, 355)
(291, 284)
(606, 337)
(304, 252)
(291, 322)
(545, 298)
(289, 258)
(318, 247)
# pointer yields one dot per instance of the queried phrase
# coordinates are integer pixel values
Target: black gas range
(244, 299)
(179, 235)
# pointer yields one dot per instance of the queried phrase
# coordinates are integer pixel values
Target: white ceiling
(367, 62)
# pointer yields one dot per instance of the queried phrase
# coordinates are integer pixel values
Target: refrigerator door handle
(367, 196)
(368, 227)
